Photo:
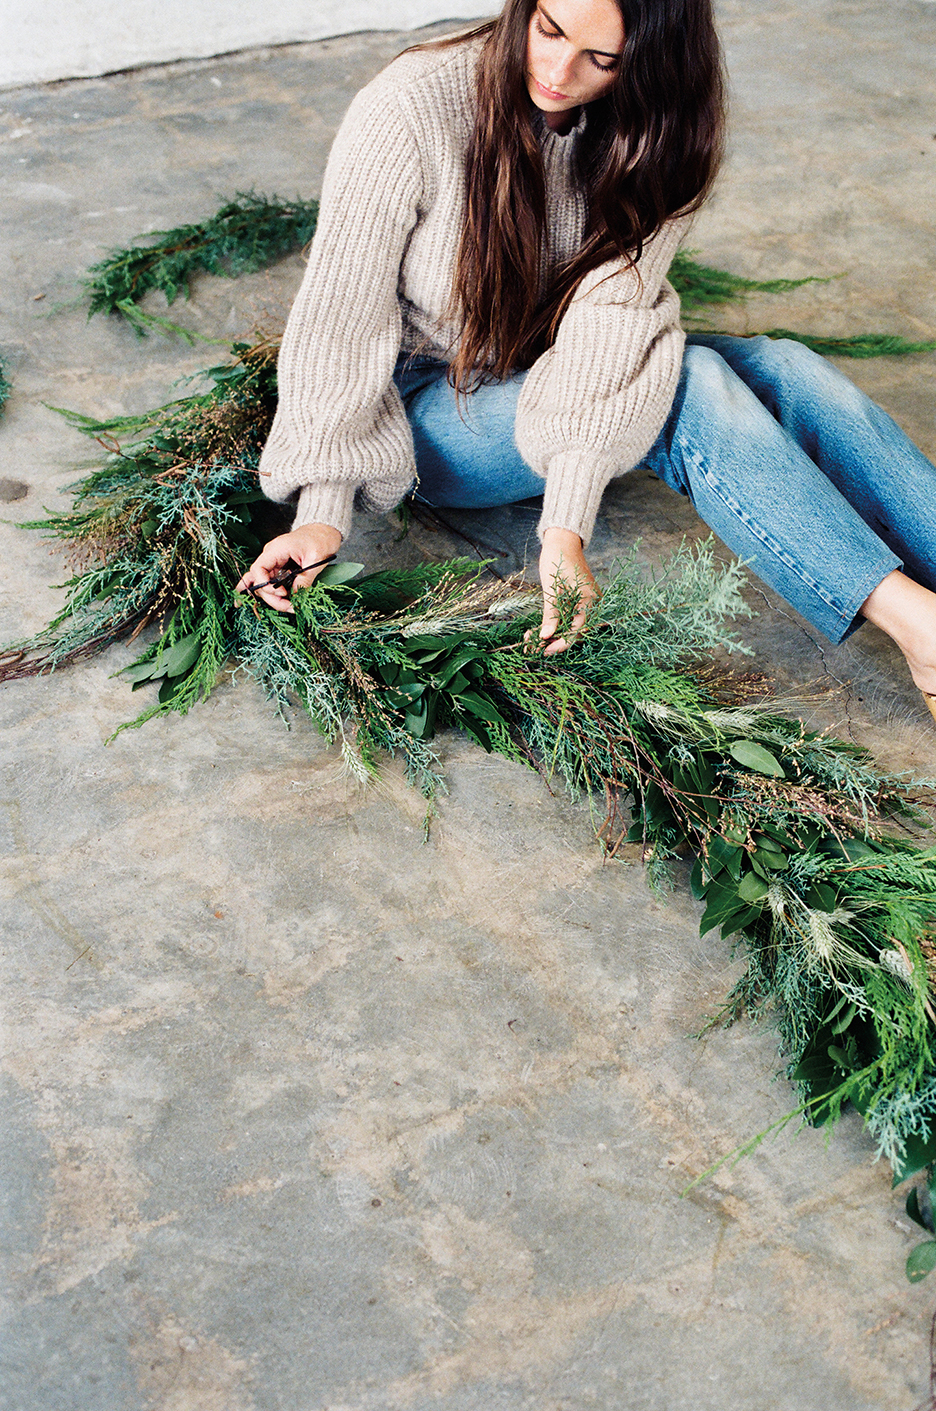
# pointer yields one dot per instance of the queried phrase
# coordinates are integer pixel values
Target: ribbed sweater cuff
(574, 488)
(326, 502)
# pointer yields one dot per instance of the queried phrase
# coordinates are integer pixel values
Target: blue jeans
(794, 468)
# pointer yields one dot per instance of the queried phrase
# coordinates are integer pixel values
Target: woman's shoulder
(428, 79)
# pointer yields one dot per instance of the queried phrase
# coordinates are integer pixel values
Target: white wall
(41, 40)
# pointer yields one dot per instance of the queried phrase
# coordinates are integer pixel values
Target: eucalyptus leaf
(480, 706)
(456, 665)
(821, 897)
(417, 720)
(754, 756)
(739, 920)
(845, 1018)
(334, 574)
(770, 853)
(921, 1261)
(722, 854)
(478, 733)
(722, 903)
(246, 497)
(916, 1212)
(845, 1058)
(752, 888)
(183, 655)
(918, 1153)
(400, 699)
(851, 849)
(142, 671)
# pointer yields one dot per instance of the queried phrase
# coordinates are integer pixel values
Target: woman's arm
(339, 423)
(339, 416)
(594, 403)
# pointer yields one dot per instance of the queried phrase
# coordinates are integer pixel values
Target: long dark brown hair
(650, 150)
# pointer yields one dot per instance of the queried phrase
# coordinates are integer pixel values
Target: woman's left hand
(562, 561)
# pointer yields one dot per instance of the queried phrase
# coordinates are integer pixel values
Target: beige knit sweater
(379, 279)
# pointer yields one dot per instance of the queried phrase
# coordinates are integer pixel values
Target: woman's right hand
(308, 544)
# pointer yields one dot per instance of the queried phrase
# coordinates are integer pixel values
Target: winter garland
(797, 856)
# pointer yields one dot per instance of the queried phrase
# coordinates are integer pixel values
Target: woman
(485, 313)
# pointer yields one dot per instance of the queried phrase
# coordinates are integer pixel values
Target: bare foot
(907, 613)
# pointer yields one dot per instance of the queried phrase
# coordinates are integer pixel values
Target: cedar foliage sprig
(246, 234)
(701, 287)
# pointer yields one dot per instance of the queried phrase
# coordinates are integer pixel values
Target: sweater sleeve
(594, 403)
(339, 421)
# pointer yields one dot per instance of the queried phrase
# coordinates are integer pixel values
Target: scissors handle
(286, 576)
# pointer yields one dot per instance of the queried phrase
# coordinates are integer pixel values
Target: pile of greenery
(799, 853)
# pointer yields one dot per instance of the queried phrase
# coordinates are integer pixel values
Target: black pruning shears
(286, 576)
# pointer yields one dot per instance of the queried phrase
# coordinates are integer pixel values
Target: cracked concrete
(303, 1114)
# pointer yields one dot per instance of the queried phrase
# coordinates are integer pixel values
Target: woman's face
(573, 54)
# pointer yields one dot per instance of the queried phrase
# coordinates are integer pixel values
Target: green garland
(835, 915)
(795, 858)
(4, 389)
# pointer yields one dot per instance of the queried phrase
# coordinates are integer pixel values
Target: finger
(562, 644)
(261, 569)
(550, 622)
(275, 598)
(305, 580)
(248, 578)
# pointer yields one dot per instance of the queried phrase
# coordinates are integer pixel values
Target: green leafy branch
(701, 287)
(246, 234)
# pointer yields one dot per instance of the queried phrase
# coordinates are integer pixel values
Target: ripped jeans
(796, 470)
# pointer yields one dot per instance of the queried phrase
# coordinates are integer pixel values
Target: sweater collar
(555, 142)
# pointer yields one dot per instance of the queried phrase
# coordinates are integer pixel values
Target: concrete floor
(303, 1114)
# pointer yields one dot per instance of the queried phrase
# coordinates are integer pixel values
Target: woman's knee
(792, 369)
(711, 391)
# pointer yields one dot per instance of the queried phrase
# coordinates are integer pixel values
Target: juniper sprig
(246, 234)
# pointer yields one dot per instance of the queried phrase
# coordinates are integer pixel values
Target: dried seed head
(897, 963)
(654, 710)
(740, 722)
